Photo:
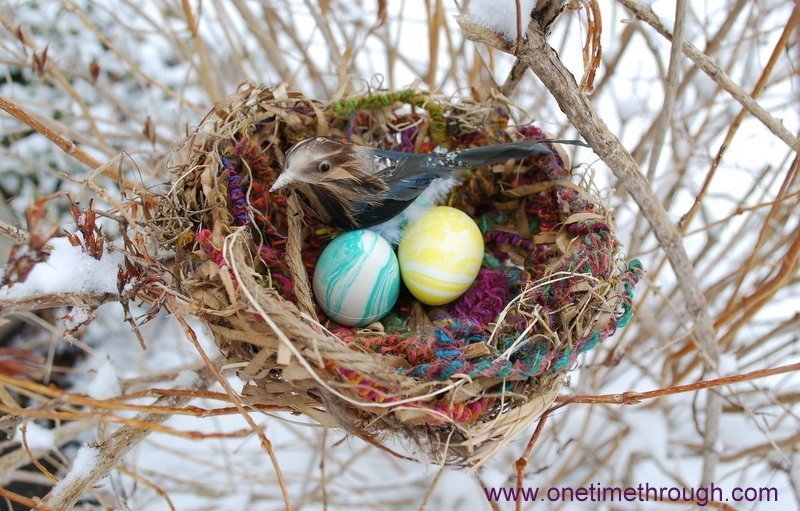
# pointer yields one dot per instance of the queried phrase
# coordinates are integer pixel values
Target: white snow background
(655, 442)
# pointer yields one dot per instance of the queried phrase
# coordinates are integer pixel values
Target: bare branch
(718, 75)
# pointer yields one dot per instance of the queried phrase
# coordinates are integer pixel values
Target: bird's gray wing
(397, 165)
(408, 174)
(486, 155)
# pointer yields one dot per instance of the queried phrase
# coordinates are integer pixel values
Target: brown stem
(545, 63)
(543, 60)
(25, 501)
(633, 397)
(53, 300)
(522, 462)
(266, 444)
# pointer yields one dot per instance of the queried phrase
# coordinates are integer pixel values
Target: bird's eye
(324, 166)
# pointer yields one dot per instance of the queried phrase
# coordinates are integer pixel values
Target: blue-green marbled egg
(357, 278)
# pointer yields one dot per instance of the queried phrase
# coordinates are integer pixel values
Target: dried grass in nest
(458, 381)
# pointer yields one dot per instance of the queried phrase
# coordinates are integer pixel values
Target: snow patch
(105, 383)
(649, 433)
(85, 462)
(76, 318)
(501, 16)
(37, 437)
(69, 270)
(187, 380)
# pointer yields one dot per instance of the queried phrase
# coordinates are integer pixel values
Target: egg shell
(357, 278)
(440, 255)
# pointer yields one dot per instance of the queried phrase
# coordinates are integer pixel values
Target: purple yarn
(407, 138)
(238, 201)
(500, 237)
(485, 299)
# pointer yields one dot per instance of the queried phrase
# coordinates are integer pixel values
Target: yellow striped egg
(440, 255)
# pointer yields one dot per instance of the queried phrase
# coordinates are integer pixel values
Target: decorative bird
(349, 186)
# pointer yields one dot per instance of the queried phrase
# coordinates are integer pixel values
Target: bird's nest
(456, 381)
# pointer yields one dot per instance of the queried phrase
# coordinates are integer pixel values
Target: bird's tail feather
(486, 155)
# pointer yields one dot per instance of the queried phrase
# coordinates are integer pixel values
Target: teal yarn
(626, 316)
(563, 361)
(634, 269)
(492, 262)
(635, 266)
(484, 224)
(592, 343)
(451, 369)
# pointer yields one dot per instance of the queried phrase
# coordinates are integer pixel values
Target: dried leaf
(94, 71)
(383, 12)
(24, 256)
(91, 239)
(149, 130)
(40, 62)
(19, 34)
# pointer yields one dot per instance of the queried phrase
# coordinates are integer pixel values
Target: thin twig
(777, 51)
(52, 301)
(634, 397)
(65, 145)
(52, 70)
(266, 444)
(25, 501)
(514, 78)
(428, 494)
(522, 462)
(14, 233)
(125, 58)
(718, 75)
(670, 88)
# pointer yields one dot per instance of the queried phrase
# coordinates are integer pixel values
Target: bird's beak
(279, 183)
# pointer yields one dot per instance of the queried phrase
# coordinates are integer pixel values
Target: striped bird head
(333, 178)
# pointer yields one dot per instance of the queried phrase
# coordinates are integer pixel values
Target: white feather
(392, 229)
